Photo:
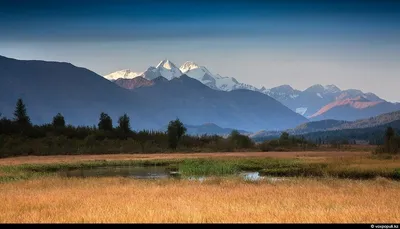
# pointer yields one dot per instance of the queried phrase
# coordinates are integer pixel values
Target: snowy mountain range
(165, 69)
(169, 70)
(308, 102)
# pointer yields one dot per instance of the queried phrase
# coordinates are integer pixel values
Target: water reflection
(138, 172)
(150, 172)
(251, 176)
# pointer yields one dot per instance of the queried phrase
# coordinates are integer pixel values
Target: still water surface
(143, 172)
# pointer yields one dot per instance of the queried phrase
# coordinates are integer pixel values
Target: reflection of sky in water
(151, 172)
(255, 176)
(201, 179)
(252, 176)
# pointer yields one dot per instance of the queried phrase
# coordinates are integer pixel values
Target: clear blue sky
(353, 44)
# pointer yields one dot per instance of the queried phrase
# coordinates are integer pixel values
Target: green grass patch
(331, 170)
(204, 167)
(222, 167)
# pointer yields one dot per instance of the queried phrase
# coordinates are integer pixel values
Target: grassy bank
(108, 200)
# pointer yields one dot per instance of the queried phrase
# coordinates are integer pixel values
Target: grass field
(219, 200)
(119, 157)
(314, 194)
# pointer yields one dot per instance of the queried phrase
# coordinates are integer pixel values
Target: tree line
(391, 142)
(18, 136)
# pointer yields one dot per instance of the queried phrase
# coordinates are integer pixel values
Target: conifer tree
(20, 115)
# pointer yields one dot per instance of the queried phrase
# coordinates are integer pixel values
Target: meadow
(352, 187)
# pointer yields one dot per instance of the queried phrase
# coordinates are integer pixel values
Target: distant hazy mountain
(382, 119)
(372, 135)
(317, 126)
(353, 109)
(81, 95)
(335, 125)
(312, 102)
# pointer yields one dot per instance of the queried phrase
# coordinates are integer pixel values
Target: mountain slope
(372, 135)
(196, 104)
(81, 95)
(353, 109)
(217, 82)
(327, 125)
(382, 119)
(334, 125)
(133, 83)
(165, 69)
(51, 87)
(317, 126)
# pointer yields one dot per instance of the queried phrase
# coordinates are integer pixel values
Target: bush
(286, 143)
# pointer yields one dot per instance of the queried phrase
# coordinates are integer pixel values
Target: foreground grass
(217, 200)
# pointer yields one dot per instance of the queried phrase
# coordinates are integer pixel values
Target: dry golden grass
(125, 200)
(79, 158)
(361, 161)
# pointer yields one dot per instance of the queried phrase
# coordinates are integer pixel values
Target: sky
(352, 44)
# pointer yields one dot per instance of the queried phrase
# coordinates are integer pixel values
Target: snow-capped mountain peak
(188, 65)
(283, 92)
(285, 87)
(168, 70)
(327, 89)
(165, 68)
(214, 81)
(123, 74)
(316, 88)
(331, 88)
(167, 64)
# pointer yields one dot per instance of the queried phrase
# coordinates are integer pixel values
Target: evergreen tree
(175, 131)
(105, 122)
(284, 136)
(20, 115)
(240, 141)
(59, 121)
(124, 124)
(389, 135)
